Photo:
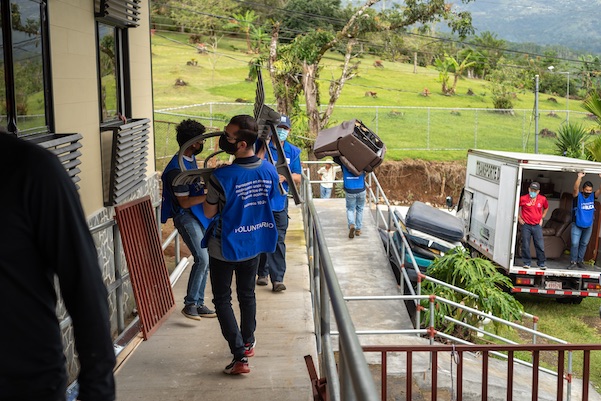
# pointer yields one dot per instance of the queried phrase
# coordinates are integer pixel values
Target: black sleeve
(337, 160)
(64, 236)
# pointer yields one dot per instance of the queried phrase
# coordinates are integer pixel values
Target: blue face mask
(533, 194)
(282, 133)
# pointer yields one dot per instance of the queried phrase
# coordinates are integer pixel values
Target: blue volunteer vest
(169, 206)
(292, 154)
(351, 181)
(249, 228)
(584, 210)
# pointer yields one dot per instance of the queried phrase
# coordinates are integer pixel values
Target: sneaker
(249, 349)
(357, 232)
(204, 311)
(237, 367)
(581, 265)
(542, 267)
(262, 280)
(572, 265)
(278, 286)
(191, 312)
(526, 267)
(351, 233)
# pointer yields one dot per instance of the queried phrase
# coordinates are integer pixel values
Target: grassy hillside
(411, 125)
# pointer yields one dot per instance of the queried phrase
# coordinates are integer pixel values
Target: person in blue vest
(354, 188)
(273, 265)
(582, 220)
(239, 198)
(183, 204)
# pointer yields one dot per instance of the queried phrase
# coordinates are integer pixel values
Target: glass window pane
(107, 55)
(28, 65)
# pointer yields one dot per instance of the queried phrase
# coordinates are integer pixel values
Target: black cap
(535, 185)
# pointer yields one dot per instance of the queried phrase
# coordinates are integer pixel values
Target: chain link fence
(401, 128)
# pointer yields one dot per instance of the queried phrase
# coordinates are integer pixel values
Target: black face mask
(586, 194)
(198, 151)
(226, 146)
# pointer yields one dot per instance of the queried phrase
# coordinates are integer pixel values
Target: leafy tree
(589, 73)
(308, 48)
(301, 16)
(244, 23)
(488, 50)
(571, 140)
(206, 15)
(476, 275)
(503, 85)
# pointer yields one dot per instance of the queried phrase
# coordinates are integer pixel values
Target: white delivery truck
(489, 206)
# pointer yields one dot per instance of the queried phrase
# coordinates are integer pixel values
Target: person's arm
(63, 237)
(576, 188)
(598, 191)
(188, 201)
(545, 210)
(211, 205)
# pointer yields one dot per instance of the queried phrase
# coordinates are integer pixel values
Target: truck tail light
(593, 286)
(524, 281)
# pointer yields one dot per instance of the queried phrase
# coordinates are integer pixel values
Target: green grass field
(435, 127)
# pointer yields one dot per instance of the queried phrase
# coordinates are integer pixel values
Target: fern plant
(571, 140)
(477, 275)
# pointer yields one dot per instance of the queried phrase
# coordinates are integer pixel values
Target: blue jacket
(584, 210)
(169, 206)
(292, 154)
(247, 222)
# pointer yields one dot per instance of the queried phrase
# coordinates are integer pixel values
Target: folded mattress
(438, 223)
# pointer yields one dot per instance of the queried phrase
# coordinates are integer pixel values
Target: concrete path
(184, 359)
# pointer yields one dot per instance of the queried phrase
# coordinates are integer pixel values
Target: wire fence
(402, 129)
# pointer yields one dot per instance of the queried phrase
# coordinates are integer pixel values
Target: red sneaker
(249, 349)
(237, 367)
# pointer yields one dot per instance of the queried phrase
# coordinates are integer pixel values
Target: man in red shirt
(533, 208)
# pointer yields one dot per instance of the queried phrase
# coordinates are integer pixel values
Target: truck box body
(495, 180)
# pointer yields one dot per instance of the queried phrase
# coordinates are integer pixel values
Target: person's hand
(582, 174)
(520, 220)
(282, 178)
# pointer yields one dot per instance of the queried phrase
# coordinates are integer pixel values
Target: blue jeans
(325, 192)
(580, 239)
(192, 232)
(534, 231)
(221, 282)
(274, 264)
(354, 209)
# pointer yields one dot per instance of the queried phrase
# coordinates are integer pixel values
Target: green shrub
(476, 275)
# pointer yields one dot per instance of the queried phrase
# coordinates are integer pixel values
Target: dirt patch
(410, 180)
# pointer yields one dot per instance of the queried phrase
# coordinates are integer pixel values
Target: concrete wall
(75, 86)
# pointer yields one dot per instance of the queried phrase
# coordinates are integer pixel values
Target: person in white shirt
(327, 174)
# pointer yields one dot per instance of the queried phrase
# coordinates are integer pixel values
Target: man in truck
(533, 208)
(582, 220)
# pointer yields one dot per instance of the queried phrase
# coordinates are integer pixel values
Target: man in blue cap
(273, 265)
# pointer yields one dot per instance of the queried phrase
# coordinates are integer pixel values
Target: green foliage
(592, 104)
(476, 275)
(304, 16)
(571, 141)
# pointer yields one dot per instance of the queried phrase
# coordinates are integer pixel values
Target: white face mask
(282, 133)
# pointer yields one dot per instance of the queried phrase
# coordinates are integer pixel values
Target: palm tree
(571, 140)
(244, 23)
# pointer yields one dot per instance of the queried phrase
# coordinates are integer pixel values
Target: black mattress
(435, 222)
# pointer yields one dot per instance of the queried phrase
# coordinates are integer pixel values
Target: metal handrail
(353, 380)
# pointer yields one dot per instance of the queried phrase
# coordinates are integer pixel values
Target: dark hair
(587, 184)
(246, 135)
(187, 130)
(246, 122)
